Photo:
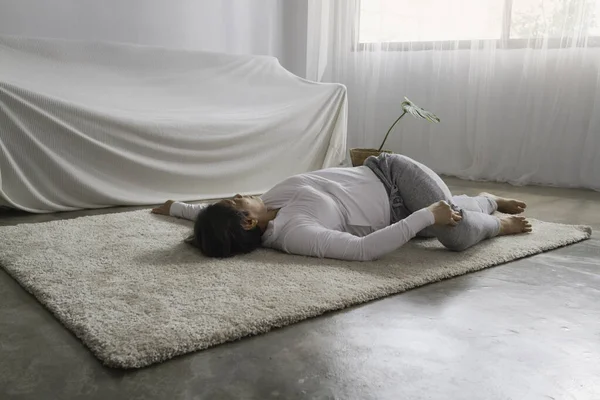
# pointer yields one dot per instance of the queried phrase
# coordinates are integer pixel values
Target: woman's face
(253, 205)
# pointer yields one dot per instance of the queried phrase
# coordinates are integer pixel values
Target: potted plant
(358, 156)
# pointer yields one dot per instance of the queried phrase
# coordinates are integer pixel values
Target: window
(514, 23)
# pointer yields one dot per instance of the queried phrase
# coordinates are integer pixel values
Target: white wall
(294, 20)
(236, 26)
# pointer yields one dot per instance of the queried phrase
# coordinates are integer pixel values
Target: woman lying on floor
(359, 213)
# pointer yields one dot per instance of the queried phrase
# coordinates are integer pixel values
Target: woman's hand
(165, 209)
(444, 214)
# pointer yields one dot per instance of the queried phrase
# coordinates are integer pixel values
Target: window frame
(505, 41)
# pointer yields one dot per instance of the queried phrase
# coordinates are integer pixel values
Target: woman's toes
(519, 206)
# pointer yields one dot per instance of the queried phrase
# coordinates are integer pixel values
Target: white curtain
(232, 26)
(516, 83)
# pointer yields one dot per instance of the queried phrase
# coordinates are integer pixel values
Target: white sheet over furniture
(89, 125)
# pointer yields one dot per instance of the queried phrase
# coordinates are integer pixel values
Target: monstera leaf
(408, 107)
(417, 112)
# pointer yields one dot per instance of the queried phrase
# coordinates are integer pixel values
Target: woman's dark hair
(218, 232)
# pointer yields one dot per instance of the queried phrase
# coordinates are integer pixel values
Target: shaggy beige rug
(128, 287)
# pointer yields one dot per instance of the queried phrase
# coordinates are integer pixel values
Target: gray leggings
(418, 187)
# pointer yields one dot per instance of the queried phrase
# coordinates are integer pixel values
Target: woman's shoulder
(295, 214)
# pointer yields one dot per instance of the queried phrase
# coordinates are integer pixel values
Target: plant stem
(389, 130)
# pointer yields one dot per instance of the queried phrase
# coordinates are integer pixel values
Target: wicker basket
(358, 156)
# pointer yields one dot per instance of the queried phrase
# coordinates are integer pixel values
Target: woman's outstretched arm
(179, 210)
(306, 237)
(310, 239)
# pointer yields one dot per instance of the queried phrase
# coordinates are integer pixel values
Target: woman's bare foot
(513, 225)
(508, 206)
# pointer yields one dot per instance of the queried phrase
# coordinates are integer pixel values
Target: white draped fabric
(516, 83)
(89, 125)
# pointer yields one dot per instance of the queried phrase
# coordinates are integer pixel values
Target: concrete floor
(524, 330)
